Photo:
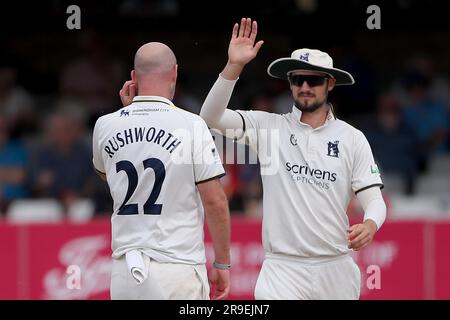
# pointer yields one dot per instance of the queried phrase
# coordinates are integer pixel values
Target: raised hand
(242, 48)
(128, 92)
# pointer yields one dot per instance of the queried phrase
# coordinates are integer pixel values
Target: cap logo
(304, 57)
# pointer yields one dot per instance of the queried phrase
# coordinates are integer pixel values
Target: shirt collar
(297, 113)
(152, 99)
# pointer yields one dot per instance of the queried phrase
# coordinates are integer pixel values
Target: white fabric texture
(165, 281)
(125, 287)
(153, 155)
(374, 207)
(136, 266)
(286, 279)
(215, 113)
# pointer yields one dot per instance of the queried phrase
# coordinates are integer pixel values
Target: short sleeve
(365, 171)
(96, 151)
(206, 159)
(254, 123)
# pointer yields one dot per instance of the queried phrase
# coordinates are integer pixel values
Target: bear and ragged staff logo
(304, 57)
(333, 150)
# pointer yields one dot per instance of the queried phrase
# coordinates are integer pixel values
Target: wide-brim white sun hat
(309, 59)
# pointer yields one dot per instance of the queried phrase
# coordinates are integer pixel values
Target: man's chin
(307, 107)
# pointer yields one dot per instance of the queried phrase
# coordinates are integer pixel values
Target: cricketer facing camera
(322, 161)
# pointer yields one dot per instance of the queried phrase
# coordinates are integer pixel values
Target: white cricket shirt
(153, 155)
(308, 178)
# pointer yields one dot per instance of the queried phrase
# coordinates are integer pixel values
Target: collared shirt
(153, 155)
(308, 178)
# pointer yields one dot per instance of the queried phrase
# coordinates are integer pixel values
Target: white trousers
(287, 278)
(166, 281)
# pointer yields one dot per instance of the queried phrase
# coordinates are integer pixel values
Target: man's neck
(155, 93)
(317, 118)
(153, 88)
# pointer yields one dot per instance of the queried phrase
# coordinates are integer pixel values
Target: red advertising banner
(10, 284)
(392, 266)
(407, 260)
(57, 252)
(440, 261)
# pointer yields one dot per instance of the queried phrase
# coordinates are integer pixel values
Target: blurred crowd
(45, 139)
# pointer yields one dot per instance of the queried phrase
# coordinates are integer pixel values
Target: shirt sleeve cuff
(212, 178)
(224, 81)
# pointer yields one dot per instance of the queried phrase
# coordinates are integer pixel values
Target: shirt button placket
(308, 152)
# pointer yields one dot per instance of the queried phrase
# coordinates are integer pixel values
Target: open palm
(242, 48)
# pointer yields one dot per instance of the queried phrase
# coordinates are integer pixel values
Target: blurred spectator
(251, 190)
(230, 182)
(427, 117)
(93, 79)
(264, 103)
(348, 101)
(282, 97)
(438, 82)
(393, 143)
(184, 98)
(15, 103)
(13, 162)
(439, 85)
(62, 166)
(231, 186)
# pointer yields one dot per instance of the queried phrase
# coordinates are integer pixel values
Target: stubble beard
(309, 106)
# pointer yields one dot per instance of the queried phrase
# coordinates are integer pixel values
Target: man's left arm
(371, 200)
(367, 184)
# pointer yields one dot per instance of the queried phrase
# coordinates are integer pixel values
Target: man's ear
(134, 79)
(175, 72)
(331, 84)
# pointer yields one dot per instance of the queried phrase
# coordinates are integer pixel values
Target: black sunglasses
(311, 80)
